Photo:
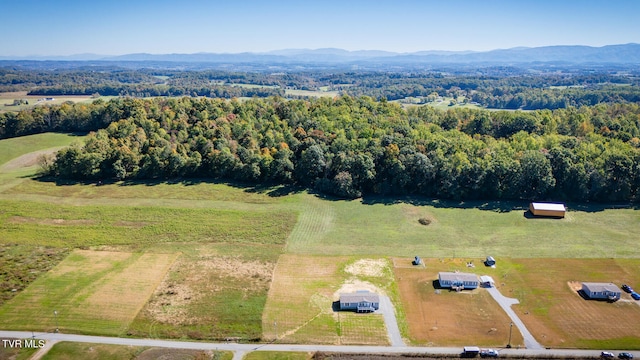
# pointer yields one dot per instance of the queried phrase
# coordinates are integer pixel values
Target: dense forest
(497, 87)
(351, 146)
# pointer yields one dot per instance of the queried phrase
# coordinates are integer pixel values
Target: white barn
(547, 209)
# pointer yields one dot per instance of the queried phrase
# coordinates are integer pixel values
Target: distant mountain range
(626, 53)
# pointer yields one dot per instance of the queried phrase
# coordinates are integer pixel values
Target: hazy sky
(114, 27)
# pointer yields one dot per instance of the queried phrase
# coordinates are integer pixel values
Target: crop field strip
(92, 293)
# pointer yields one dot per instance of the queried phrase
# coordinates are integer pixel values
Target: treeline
(142, 90)
(349, 147)
(492, 87)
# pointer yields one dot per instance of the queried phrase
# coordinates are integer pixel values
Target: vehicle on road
(606, 355)
(627, 288)
(490, 353)
(635, 296)
(625, 355)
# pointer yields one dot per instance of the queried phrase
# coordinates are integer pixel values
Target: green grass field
(90, 292)
(15, 147)
(8, 98)
(69, 350)
(215, 226)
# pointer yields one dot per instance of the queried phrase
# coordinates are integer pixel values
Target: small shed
(490, 261)
(360, 301)
(601, 291)
(457, 280)
(548, 209)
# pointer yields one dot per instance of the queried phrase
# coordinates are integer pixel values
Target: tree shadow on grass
(279, 190)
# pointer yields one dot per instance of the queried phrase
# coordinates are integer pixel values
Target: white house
(458, 280)
(604, 291)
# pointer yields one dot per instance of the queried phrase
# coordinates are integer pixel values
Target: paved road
(389, 314)
(505, 302)
(244, 348)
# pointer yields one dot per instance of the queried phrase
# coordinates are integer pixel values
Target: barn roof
(548, 206)
(359, 296)
(601, 287)
(456, 276)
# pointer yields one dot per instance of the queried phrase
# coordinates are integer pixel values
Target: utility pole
(275, 326)
(55, 316)
(510, 331)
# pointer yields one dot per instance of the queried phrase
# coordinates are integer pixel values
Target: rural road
(240, 349)
(505, 302)
(389, 314)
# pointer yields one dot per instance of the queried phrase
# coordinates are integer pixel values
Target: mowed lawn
(299, 308)
(382, 226)
(15, 147)
(93, 292)
(37, 223)
(558, 316)
(439, 317)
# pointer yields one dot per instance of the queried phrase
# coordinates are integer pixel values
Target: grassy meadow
(90, 292)
(69, 350)
(231, 254)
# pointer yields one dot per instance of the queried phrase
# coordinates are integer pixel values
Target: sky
(116, 27)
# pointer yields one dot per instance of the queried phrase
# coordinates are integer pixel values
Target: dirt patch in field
(354, 285)
(132, 224)
(367, 267)
(29, 220)
(173, 299)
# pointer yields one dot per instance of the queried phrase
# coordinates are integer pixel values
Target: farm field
(550, 306)
(558, 316)
(212, 292)
(304, 313)
(90, 292)
(237, 277)
(70, 351)
(312, 93)
(6, 99)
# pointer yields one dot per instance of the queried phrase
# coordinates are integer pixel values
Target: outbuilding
(457, 280)
(601, 291)
(360, 301)
(548, 209)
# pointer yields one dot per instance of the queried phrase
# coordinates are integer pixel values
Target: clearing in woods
(92, 292)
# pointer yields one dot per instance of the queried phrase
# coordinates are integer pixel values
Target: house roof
(359, 296)
(486, 279)
(455, 276)
(601, 287)
(548, 206)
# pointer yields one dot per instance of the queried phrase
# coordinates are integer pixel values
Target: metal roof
(454, 276)
(359, 296)
(601, 287)
(548, 206)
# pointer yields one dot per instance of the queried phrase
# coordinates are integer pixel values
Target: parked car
(625, 355)
(635, 296)
(606, 355)
(489, 353)
(627, 288)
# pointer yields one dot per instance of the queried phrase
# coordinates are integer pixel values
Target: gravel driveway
(389, 314)
(505, 302)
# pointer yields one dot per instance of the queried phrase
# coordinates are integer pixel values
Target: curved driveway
(505, 302)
